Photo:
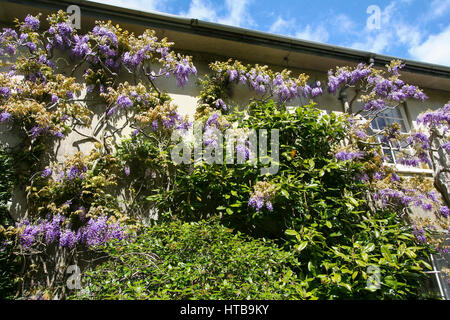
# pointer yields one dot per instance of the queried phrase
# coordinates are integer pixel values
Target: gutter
(215, 30)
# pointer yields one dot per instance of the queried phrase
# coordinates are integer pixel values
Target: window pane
(374, 124)
(381, 123)
(389, 155)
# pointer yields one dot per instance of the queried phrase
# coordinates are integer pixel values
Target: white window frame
(398, 166)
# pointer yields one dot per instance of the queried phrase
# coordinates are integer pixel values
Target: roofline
(216, 30)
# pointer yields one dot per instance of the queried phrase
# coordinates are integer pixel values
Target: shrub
(7, 265)
(198, 260)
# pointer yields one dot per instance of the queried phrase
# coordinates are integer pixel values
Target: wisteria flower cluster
(259, 79)
(378, 90)
(262, 196)
(104, 53)
(262, 80)
(58, 230)
(214, 124)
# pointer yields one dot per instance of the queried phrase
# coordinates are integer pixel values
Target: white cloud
(393, 32)
(282, 26)
(202, 10)
(292, 28)
(319, 34)
(343, 24)
(435, 49)
(143, 5)
(377, 43)
(236, 12)
(439, 7)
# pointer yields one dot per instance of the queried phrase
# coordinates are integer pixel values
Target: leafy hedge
(7, 266)
(198, 260)
(330, 241)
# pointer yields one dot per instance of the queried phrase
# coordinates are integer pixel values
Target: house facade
(208, 42)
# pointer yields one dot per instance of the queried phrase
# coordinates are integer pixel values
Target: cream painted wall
(186, 100)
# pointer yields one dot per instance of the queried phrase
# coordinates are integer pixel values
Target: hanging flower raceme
(262, 196)
(182, 70)
(378, 90)
(264, 81)
(58, 230)
(348, 155)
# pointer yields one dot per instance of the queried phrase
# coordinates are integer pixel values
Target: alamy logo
(373, 282)
(74, 13)
(74, 281)
(214, 146)
(374, 20)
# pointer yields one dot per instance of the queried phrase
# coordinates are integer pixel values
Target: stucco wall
(186, 100)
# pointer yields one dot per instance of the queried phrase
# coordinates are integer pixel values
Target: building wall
(186, 100)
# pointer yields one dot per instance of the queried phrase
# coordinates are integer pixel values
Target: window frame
(398, 166)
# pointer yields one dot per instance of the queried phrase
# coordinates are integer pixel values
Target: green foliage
(320, 209)
(7, 266)
(340, 257)
(201, 260)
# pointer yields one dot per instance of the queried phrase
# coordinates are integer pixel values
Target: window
(387, 117)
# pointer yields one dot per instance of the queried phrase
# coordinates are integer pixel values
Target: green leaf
(291, 232)
(301, 246)
(369, 247)
(285, 193)
(347, 286)
(365, 256)
(427, 265)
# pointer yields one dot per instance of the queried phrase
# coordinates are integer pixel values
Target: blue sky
(411, 29)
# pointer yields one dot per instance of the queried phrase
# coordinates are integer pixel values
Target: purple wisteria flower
(76, 172)
(54, 99)
(81, 46)
(436, 118)
(446, 146)
(361, 134)
(58, 134)
(242, 151)
(185, 125)
(5, 92)
(232, 74)
(344, 155)
(378, 176)
(105, 34)
(46, 173)
(5, 116)
(69, 94)
(419, 234)
(126, 169)
(444, 210)
(316, 89)
(182, 71)
(67, 239)
(213, 120)
(414, 162)
(170, 121)
(262, 196)
(124, 102)
(53, 228)
(220, 104)
(94, 232)
(31, 23)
